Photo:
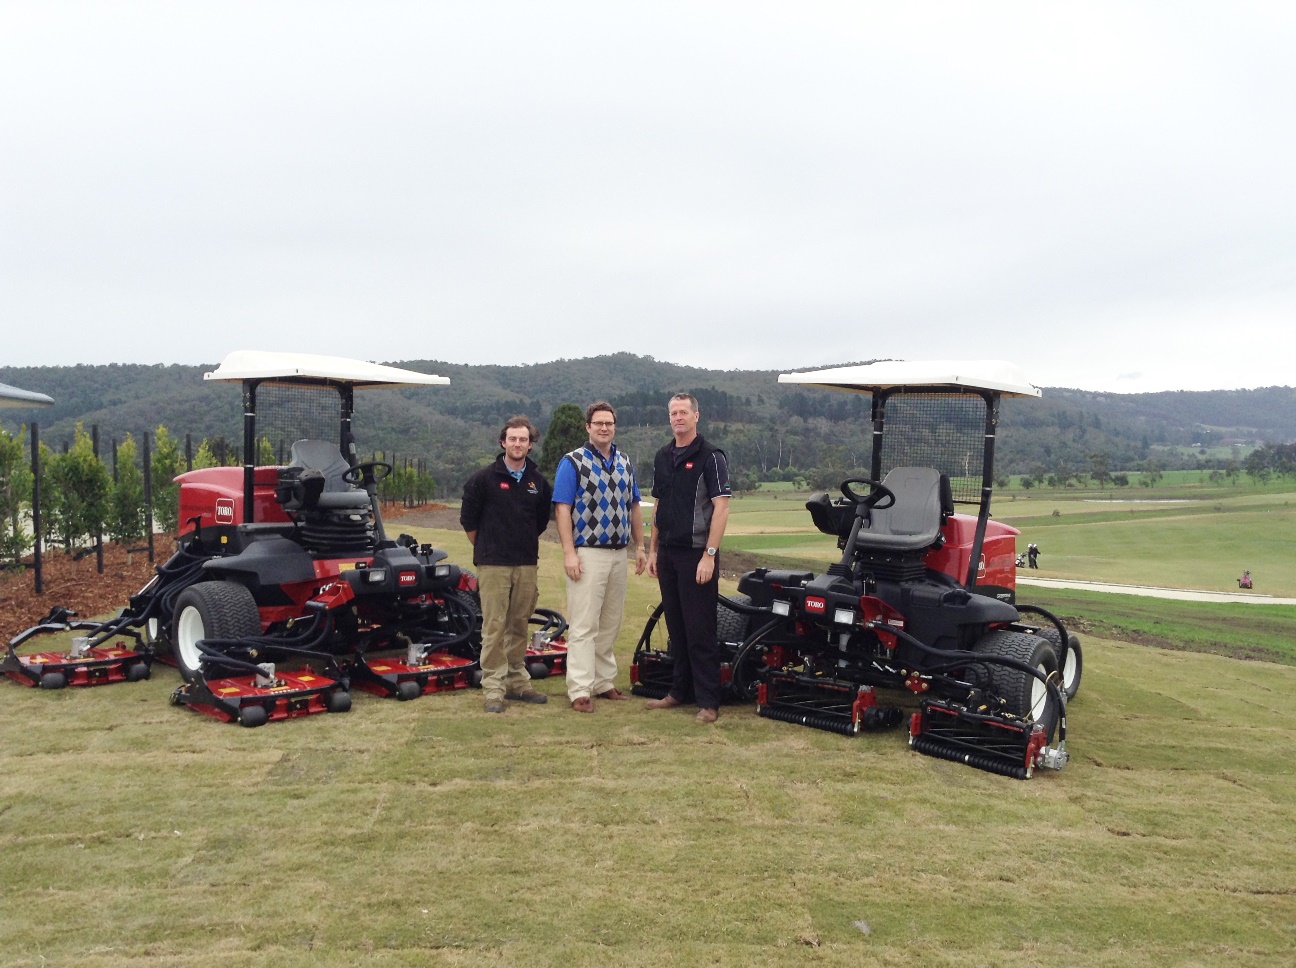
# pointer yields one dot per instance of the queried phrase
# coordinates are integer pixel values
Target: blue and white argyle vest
(601, 511)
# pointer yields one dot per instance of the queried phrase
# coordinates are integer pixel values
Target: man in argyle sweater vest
(596, 505)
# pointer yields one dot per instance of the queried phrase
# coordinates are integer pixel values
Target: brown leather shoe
(707, 715)
(665, 702)
(613, 694)
(583, 705)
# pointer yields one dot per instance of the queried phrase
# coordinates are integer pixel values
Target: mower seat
(337, 494)
(913, 523)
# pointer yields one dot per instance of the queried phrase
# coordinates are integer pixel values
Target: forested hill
(768, 429)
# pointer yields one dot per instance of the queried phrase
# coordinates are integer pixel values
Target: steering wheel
(879, 492)
(370, 472)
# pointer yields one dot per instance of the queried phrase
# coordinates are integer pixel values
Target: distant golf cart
(286, 589)
(920, 610)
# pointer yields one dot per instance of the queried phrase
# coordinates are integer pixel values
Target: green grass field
(431, 833)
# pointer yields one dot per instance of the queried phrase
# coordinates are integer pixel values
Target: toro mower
(285, 589)
(918, 619)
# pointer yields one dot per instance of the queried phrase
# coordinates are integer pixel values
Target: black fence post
(36, 516)
(94, 439)
(148, 492)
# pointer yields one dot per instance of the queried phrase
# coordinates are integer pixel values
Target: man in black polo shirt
(691, 485)
(505, 510)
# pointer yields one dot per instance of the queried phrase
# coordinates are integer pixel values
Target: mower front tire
(210, 610)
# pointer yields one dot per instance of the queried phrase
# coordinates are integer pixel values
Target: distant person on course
(596, 505)
(1245, 580)
(1032, 555)
(691, 485)
(506, 508)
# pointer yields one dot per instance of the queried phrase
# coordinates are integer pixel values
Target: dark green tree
(565, 433)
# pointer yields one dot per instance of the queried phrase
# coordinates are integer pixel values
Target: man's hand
(705, 569)
(641, 560)
(571, 564)
(652, 564)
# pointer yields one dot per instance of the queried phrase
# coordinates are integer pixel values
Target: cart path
(1151, 591)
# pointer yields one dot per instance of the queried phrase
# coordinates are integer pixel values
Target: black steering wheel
(879, 492)
(370, 472)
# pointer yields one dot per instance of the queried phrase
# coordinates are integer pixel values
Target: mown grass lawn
(433, 833)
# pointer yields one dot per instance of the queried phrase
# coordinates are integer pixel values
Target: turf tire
(210, 610)
(1025, 696)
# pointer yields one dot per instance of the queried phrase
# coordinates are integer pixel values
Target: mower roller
(918, 618)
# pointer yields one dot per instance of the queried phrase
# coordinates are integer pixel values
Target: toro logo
(504, 485)
(407, 578)
(816, 605)
(224, 510)
(688, 465)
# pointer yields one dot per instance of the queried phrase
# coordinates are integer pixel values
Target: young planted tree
(84, 491)
(15, 495)
(167, 463)
(126, 519)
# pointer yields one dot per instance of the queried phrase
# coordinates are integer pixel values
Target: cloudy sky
(1102, 192)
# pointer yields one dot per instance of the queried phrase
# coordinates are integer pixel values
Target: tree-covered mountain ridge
(766, 427)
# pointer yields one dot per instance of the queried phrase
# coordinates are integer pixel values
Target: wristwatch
(711, 552)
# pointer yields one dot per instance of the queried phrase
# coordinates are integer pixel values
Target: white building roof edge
(996, 375)
(303, 367)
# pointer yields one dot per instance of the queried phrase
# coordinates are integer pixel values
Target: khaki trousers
(594, 608)
(508, 597)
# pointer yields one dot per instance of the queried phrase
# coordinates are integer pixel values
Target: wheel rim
(189, 629)
(1069, 670)
(1039, 694)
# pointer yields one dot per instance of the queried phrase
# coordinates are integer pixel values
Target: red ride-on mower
(286, 589)
(921, 608)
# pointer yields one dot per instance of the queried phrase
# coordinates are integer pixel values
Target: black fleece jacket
(509, 516)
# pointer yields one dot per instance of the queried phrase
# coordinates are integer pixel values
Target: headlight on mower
(779, 607)
(844, 616)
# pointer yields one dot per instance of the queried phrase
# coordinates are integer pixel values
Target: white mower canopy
(14, 397)
(955, 376)
(308, 368)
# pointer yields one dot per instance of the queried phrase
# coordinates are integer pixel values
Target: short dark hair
(512, 423)
(597, 406)
(693, 404)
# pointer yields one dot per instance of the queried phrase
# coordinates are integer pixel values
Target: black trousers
(690, 613)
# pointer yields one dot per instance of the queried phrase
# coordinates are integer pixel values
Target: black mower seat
(913, 523)
(322, 456)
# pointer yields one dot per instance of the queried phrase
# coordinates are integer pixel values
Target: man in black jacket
(505, 510)
(691, 485)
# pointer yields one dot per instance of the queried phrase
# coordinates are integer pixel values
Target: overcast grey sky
(1102, 192)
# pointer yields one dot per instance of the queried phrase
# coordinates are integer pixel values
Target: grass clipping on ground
(430, 832)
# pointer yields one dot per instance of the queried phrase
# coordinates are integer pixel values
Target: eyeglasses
(602, 424)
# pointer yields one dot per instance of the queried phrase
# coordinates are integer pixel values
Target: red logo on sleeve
(504, 485)
(688, 466)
